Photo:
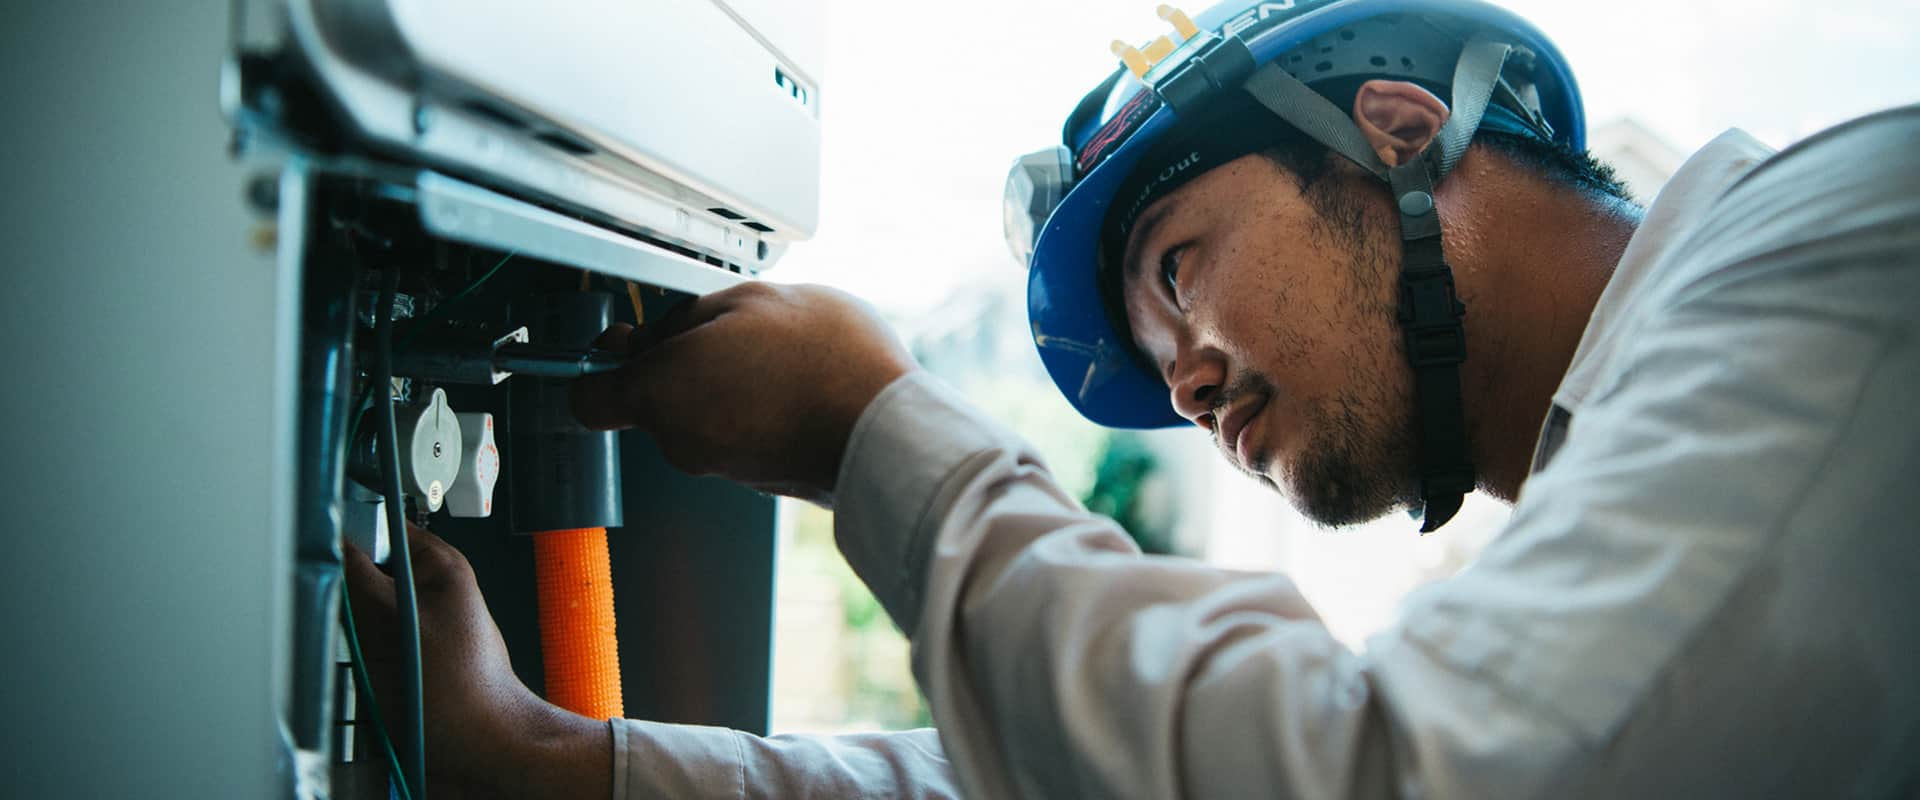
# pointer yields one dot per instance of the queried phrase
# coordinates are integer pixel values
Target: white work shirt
(1710, 585)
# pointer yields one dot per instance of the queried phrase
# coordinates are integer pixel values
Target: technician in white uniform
(1706, 413)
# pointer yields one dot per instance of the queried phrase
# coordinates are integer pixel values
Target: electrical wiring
(360, 405)
(639, 310)
(412, 748)
(373, 703)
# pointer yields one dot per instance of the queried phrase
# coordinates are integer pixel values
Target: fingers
(617, 400)
(370, 587)
(616, 338)
(599, 401)
(596, 398)
(687, 316)
(437, 566)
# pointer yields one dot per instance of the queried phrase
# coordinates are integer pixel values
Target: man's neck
(1531, 259)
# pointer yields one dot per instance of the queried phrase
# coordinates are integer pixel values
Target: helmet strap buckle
(1431, 318)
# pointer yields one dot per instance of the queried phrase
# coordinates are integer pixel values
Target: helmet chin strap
(1436, 344)
(1430, 311)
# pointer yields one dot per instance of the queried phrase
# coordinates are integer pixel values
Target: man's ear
(1398, 118)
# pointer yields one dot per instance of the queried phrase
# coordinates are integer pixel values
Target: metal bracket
(463, 212)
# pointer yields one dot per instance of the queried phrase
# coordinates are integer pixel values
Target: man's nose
(1194, 379)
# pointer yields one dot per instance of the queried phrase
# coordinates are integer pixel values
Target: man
(1703, 413)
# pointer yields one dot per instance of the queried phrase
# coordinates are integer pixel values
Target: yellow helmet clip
(1141, 60)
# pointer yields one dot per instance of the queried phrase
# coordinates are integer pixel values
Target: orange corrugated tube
(576, 621)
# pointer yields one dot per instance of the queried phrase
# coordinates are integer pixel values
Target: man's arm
(488, 735)
(1061, 662)
(653, 759)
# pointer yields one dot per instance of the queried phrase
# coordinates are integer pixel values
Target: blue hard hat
(1059, 199)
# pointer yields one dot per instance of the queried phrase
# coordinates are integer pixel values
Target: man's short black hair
(1575, 169)
(1309, 161)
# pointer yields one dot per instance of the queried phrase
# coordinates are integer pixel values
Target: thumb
(617, 338)
(681, 318)
(367, 585)
(600, 401)
(437, 566)
(611, 400)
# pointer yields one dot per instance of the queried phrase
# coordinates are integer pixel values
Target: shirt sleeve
(691, 762)
(1060, 661)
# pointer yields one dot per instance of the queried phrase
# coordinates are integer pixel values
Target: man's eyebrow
(1142, 234)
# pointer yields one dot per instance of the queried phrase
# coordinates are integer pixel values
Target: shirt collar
(1685, 199)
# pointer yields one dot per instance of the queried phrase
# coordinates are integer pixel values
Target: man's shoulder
(1823, 227)
(1802, 211)
(1883, 143)
(1853, 175)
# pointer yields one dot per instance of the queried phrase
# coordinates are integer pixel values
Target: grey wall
(138, 573)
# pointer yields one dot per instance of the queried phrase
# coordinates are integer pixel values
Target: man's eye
(1170, 269)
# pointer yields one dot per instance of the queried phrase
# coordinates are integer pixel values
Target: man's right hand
(488, 735)
(760, 383)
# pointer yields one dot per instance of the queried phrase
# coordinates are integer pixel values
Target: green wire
(346, 603)
(366, 685)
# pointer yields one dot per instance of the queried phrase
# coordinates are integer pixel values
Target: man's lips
(1234, 423)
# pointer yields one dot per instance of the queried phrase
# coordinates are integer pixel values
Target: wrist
(560, 754)
(846, 419)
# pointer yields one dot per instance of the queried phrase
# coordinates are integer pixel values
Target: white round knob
(472, 492)
(430, 449)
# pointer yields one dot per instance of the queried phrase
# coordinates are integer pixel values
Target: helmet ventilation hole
(1378, 61)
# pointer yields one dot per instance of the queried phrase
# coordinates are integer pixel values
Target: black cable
(412, 722)
(360, 409)
(360, 403)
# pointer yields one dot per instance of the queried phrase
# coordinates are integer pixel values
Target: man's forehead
(1216, 193)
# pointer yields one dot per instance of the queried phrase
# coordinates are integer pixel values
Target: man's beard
(1350, 473)
(1358, 464)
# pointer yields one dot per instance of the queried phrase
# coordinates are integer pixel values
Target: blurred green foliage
(873, 660)
(1121, 477)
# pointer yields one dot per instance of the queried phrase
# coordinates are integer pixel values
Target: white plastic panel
(466, 213)
(796, 29)
(677, 86)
